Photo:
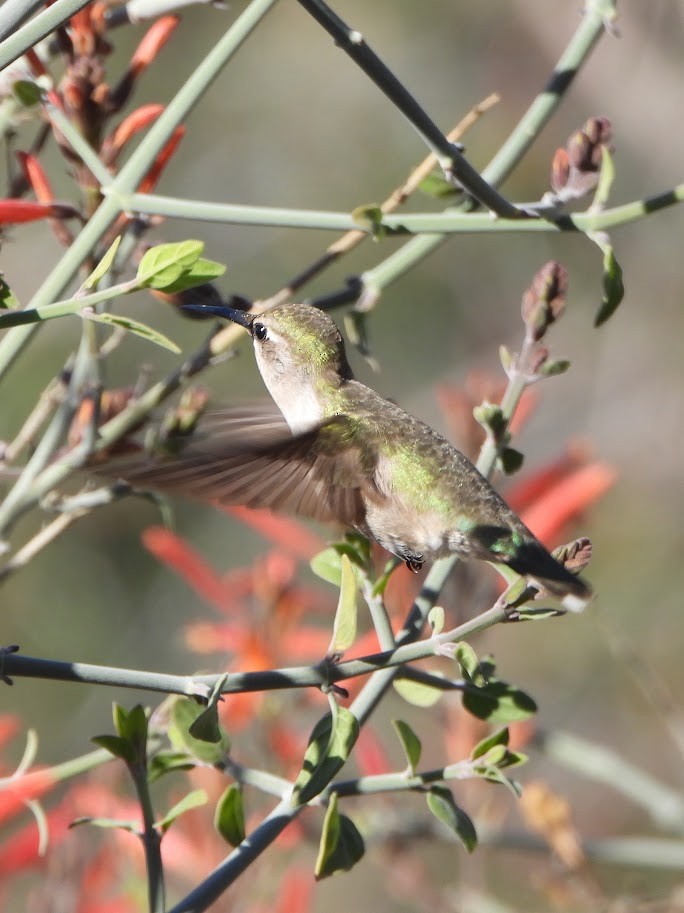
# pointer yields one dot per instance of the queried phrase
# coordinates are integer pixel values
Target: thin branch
(455, 165)
(317, 676)
(596, 14)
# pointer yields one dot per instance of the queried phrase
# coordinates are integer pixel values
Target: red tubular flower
(15, 792)
(153, 41)
(135, 122)
(149, 182)
(14, 212)
(36, 176)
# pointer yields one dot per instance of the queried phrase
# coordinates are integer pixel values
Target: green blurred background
(292, 122)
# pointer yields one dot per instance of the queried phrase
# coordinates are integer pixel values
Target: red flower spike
(35, 175)
(149, 182)
(187, 563)
(153, 41)
(566, 500)
(135, 122)
(284, 532)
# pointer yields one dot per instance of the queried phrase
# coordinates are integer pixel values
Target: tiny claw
(414, 564)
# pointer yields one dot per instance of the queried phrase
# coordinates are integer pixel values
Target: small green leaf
(606, 178)
(131, 724)
(136, 327)
(436, 619)
(511, 460)
(341, 845)
(166, 762)
(164, 264)
(380, 584)
(328, 566)
(538, 614)
(499, 702)
(508, 361)
(441, 803)
(410, 743)
(434, 185)
(369, 218)
(123, 825)
(206, 727)
(229, 817)
(494, 775)
(330, 744)
(200, 273)
(613, 286)
(27, 93)
(344, 627)
(184, 712)
(8, 300)
(470, 665)
(492, 419)
(497, 738)
(103, 266)
(417, 693)
(553, 368)
(193, 800)
(114, 744)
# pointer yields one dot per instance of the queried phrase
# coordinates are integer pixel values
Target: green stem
(318, 676)
(151, 840)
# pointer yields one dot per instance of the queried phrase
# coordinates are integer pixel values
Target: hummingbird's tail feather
(530, 559)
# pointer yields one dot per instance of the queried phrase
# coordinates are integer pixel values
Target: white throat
(294, 395)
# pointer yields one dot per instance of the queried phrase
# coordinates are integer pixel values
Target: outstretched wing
(249, 456)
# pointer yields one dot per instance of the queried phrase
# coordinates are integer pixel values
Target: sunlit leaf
(419, 694)
(229, 817)
(344, 627)
(410, 743)
(330, 744)
(443, 806)
(184, 712)
(103, 266)
(436, 619)
(166, 762)
(341, 845)
(497, 738)
(499, 702)
(134, 326)
(164, 264)
(193, 800)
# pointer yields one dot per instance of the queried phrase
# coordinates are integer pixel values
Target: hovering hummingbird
(335, 450)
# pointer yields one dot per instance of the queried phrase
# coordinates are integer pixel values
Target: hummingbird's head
(299, 341)
(300, 354)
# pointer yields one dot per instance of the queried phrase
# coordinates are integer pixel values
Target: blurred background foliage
(291, 122)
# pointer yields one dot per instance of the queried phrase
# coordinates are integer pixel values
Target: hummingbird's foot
(414, 563)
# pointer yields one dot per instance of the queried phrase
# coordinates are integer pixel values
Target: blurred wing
(250, 457)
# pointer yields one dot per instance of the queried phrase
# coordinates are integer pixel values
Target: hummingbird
(332, 449)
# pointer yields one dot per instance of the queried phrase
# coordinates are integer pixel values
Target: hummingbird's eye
(260, 331)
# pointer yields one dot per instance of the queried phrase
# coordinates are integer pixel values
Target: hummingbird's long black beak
(221, 310)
